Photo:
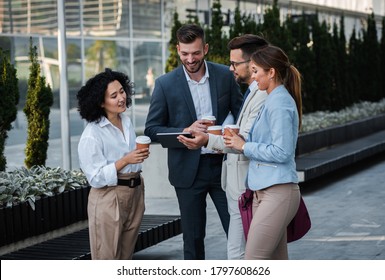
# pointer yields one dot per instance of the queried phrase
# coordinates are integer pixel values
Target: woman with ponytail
(270, 146)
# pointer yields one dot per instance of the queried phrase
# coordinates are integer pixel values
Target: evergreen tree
(217, 42)
(37, 110)
(271, 24)
(371, 68)
(273, 31)
(355, 63)
(336, 70)
(342, 58)
(243, 24)
(303, 59)
(9, 98)
(250, 26)
(173, 59)
(236, 28)
(323, 59)
(382, 59)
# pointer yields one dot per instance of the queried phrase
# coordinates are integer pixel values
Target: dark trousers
(192, 205)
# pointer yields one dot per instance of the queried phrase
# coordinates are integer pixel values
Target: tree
(272, 29)
(355, 62)
(323, 59)
(303, 58)
(342, 58)
(250, 26)
(9, 98)
(37, 110)
(371, 68)
(339, 94)
(236, 28)
(382, 58)
(102, 54)
(173, 59)
(271, 24)
(217, 41)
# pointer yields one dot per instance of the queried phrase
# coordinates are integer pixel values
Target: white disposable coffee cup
(215, 129)
(142, 142)
(234, 127)
(209, 119)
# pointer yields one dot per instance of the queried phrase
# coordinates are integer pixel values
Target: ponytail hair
(294, 84)
(273, 57)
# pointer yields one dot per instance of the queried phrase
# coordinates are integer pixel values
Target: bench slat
(154, 229)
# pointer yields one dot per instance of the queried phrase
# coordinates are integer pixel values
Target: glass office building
(129, 35)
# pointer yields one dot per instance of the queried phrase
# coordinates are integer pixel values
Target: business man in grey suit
(179, 101)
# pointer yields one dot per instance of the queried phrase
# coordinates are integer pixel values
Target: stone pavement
(347, 211)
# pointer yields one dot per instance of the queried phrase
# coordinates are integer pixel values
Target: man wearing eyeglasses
(234, 168)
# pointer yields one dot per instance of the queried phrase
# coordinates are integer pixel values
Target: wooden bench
(75, 246)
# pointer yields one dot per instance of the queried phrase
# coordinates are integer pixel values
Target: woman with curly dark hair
(112, 165)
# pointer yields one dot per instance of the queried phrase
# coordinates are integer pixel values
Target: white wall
(155, 174)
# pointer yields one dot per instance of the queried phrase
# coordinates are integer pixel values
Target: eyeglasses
(235, 64)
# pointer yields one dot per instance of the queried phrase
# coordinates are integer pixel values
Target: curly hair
(91, 95)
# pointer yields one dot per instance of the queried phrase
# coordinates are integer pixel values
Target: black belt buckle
(131, 183)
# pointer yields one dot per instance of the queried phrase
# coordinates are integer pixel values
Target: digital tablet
(169, 140)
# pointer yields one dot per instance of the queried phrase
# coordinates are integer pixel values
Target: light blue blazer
(272, 141)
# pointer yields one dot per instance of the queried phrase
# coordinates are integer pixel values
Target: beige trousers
(273, 209)
(114, 217)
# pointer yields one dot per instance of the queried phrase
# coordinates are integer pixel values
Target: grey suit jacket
(172, 109)
(235, 168)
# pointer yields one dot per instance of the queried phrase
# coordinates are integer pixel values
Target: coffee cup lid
(143, 139)
(231, 126)
(210, 118)
(214, 127)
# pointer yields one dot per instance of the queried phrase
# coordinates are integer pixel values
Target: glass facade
(128, 35)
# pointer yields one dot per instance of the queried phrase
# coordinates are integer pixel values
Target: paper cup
(142, 142)
(215, 129)
(209, 119)
(234, 127)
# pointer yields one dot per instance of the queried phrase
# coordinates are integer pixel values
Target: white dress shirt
(100, 146)
(200, 93)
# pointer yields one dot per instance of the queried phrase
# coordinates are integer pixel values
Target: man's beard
(198, 68)
(241, 80)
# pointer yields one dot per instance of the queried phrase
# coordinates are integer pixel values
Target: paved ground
(347, 211)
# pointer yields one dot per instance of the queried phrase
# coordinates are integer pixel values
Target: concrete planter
(316, 140)
(20, 221)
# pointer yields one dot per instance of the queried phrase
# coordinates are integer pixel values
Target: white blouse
(100, 146)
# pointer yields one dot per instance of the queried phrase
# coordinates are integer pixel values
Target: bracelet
(243, 148)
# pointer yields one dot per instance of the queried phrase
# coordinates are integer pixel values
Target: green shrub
(27, 185)
(9, 98)
(37, 109)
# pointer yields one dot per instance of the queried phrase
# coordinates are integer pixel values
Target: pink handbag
(296, 229)
(245, 203)
(300, 224)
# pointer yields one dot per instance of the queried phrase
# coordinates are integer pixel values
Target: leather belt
(131, 183)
